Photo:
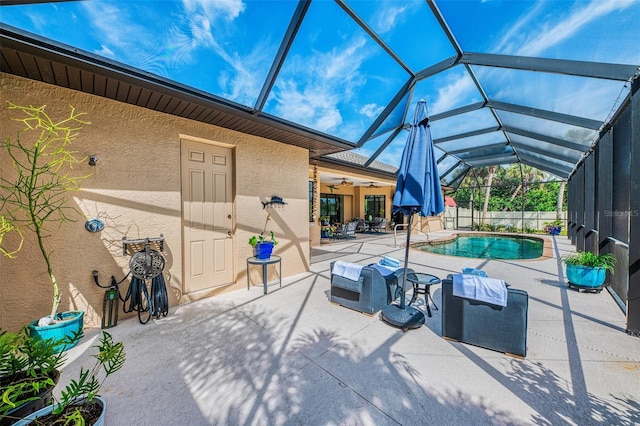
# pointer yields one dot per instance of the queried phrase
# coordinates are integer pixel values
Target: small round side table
(421, 285)
(264, 262)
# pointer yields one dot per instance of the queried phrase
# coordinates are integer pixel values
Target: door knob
(229, 233)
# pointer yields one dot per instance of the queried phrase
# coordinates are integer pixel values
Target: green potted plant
(34, 196)
(262, 248)
(587, 269)
(79, 403)
(325, 228)
(29, 370)
(553, 228)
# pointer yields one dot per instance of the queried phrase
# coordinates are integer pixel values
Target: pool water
(487, 246)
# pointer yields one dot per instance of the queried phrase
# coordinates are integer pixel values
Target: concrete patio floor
(292, 357)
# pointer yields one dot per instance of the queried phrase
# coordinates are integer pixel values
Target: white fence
(461, 217)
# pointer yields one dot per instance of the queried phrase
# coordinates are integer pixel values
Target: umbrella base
(403, 318)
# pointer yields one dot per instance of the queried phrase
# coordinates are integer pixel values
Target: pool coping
(547, 250)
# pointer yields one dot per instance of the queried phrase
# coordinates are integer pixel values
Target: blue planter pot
(264, 250)
(72, 322)
(586, 276)
(47, 410)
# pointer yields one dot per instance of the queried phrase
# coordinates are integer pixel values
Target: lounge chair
(371, 292)
(503, 329)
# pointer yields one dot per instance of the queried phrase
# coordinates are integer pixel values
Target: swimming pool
(487, 246)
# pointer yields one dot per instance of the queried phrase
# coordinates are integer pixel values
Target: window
(374, 206)
(332, 205)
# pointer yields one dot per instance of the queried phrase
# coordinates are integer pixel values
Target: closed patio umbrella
(417, 191)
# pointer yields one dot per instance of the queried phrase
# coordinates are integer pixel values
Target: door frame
(234, 262)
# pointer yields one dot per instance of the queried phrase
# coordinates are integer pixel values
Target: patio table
(264, 262)
(421, 285)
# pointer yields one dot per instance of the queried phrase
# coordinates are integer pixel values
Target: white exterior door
(207, 223)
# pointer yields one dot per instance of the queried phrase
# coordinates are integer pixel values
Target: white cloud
(196, 28)
(203, 15)
(200, 28)
(309, 106)
(313, 98)
(215, 9)
(105, 17)
(341, 60)
(248, 76)
(508, 43)
(208, 22)
(123, 37)
(460, 86)
(547, 34)
(371, 110)
(388, 16)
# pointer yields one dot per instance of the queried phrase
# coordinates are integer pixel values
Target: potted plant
(79, 403)
(29, 370)
(325, 228)
(35, 196)
(553, 228)
(586, 269)
(262, 248)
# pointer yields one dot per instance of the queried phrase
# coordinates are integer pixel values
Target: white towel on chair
(350, 271)
(489, 290)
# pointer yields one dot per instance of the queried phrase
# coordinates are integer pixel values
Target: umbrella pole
(403, 316)
(406, 262)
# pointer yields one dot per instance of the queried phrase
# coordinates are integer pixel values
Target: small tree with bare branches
(35, 193)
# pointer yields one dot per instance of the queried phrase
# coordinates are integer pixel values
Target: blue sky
(335, 78)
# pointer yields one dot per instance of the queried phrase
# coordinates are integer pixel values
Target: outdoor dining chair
(346, 231)
(379, 226)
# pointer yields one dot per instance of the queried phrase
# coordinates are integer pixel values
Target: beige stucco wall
(135, 190)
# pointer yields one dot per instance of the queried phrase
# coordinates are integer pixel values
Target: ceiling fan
(345, 182)
(371, 186)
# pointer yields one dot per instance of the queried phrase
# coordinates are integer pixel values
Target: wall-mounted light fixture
(274, 202)
(93, 160)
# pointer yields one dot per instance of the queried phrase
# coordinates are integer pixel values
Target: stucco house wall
(135, 190)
